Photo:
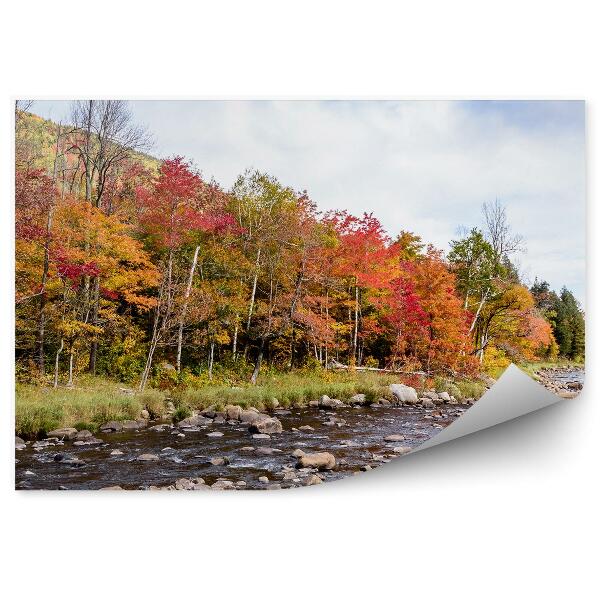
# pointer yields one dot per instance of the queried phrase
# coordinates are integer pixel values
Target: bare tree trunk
(60, 349)
(151, 349)
(186, 297)
(211, 357)
(71, 352)
(253, 290)
(235, 337)
(483, 299)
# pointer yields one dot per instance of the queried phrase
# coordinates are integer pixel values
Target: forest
(142, 271)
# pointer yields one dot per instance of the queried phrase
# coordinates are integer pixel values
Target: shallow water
(568, 375)
(357, 443)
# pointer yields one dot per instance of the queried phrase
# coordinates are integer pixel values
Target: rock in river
(312, 480)
(65, 459)
(395, 437)
(404, 393)
(90, 441)
(147, 457)
(319, 460)
(193, 421)
(68, 433)
(327, 402)
(402, 449)
(112, 426)
(359, 399)
(249, 416)
(233, 412)
(266, 425)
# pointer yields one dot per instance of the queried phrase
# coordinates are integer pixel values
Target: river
(356, 440)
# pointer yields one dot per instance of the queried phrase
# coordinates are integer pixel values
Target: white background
(507, 513)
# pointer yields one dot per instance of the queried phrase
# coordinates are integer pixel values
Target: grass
(95, 400)
(288, 389)
(92, 402)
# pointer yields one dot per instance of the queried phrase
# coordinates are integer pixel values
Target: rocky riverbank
(236, 448)
(566, 382)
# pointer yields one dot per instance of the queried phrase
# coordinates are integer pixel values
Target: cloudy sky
(422, 166)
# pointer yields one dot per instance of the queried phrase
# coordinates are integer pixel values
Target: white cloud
(422, 166)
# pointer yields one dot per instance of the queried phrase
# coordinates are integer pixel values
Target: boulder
(116, 453)
(145, 414)
(402, 449)
(394, 437)
(404, 393)
(327, 402)
(431, 395)
(66, 433)
(268, 425)
(359, 399)
(445, 396)
(261, 436)
(19, 443)
(219, 461)
(319, 460)
(111, 426)
(297, 453)
(209, 412)
(306, 428)
(193, 421)
(84, 434)
(249, 416)
(147, 457)
(313, 403)
(263, 479)
(215, 434)
(427, 403)
(233, 412)
(384, 402)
